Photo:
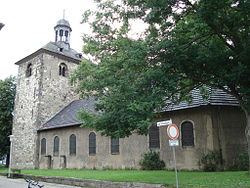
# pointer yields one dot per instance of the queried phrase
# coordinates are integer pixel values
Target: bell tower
(43, 89)
(62, 33)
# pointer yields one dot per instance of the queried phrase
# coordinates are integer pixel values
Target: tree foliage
(7, 96)
(186, 44)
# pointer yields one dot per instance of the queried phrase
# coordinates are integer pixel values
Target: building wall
(207, 132)
(128, 158)
(230, 139)
(38, 97)
(215, 129)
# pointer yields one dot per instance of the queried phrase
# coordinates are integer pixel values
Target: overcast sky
(29, 25)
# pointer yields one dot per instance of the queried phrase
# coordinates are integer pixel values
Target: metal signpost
(173, 133)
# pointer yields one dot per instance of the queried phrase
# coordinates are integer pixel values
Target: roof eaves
(25, 59)
(58, 126)
(41, 50)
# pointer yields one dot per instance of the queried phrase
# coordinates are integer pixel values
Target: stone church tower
(42, 90)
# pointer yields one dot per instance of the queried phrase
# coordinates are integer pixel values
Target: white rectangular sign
(173, 142)
(164, 123)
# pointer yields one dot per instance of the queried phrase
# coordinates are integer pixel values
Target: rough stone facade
(39, 96)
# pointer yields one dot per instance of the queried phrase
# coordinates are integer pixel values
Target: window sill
(118, 153)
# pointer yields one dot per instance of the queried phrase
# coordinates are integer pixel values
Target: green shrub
(152, 161)
(212, 162)
(241, 162)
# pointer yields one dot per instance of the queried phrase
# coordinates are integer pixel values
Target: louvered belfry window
(43, 146)
(92, 143)
(72, 144)
(187, 134)
(115, 145)
(154, 141)
(56, 146)
(29, 70)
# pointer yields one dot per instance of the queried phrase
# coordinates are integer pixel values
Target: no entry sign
(173, 131)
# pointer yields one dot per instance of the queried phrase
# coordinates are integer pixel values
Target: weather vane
(63, 13)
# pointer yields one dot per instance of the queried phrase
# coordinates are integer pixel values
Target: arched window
(61, 32)
(43, 146)
(56, 146)
(66, 33)
(92, 143)
(154, 141)
(63, 70)
(29, 70)
(72, 144)
(115, 145)
(187, 134)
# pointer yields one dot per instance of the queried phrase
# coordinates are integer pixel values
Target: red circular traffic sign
(173, 131)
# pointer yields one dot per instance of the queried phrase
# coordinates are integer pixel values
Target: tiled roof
(68, 115)
(216, 97)
(54, 48)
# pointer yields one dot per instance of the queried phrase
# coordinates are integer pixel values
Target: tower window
(66, 33)
(154, 141)
(115, 145)
(43, 146)
(29, 70)
(56, 35)
(92, 143)
(187, 134)
(63, 70)
(72, 144)
(61, 32)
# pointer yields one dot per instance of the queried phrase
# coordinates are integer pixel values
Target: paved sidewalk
(21, 183)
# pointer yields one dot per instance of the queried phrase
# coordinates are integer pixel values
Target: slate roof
(68, 115)
(64, 23)
(54, 49)
(216, 97)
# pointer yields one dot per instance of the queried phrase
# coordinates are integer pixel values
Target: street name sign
(164, 123)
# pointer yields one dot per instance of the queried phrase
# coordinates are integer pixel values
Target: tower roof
(55, 49)
(63, 23)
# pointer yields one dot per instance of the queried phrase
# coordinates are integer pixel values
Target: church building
(47, 133)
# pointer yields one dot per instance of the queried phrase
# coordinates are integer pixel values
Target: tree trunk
(248, 135)
(7, 161)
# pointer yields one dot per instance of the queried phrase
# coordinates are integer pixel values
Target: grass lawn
(186, 179)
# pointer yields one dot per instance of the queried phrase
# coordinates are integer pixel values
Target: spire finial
(63, 13)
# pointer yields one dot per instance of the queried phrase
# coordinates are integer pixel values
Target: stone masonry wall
(38, 97)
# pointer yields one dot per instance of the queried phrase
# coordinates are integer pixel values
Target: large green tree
(186, 44)
(7, 96)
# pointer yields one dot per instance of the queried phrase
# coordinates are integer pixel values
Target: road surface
(21, 183)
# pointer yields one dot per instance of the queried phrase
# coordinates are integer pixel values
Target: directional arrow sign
(164, 123)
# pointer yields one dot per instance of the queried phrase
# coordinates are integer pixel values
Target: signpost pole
(173, 133)
(175, 168)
